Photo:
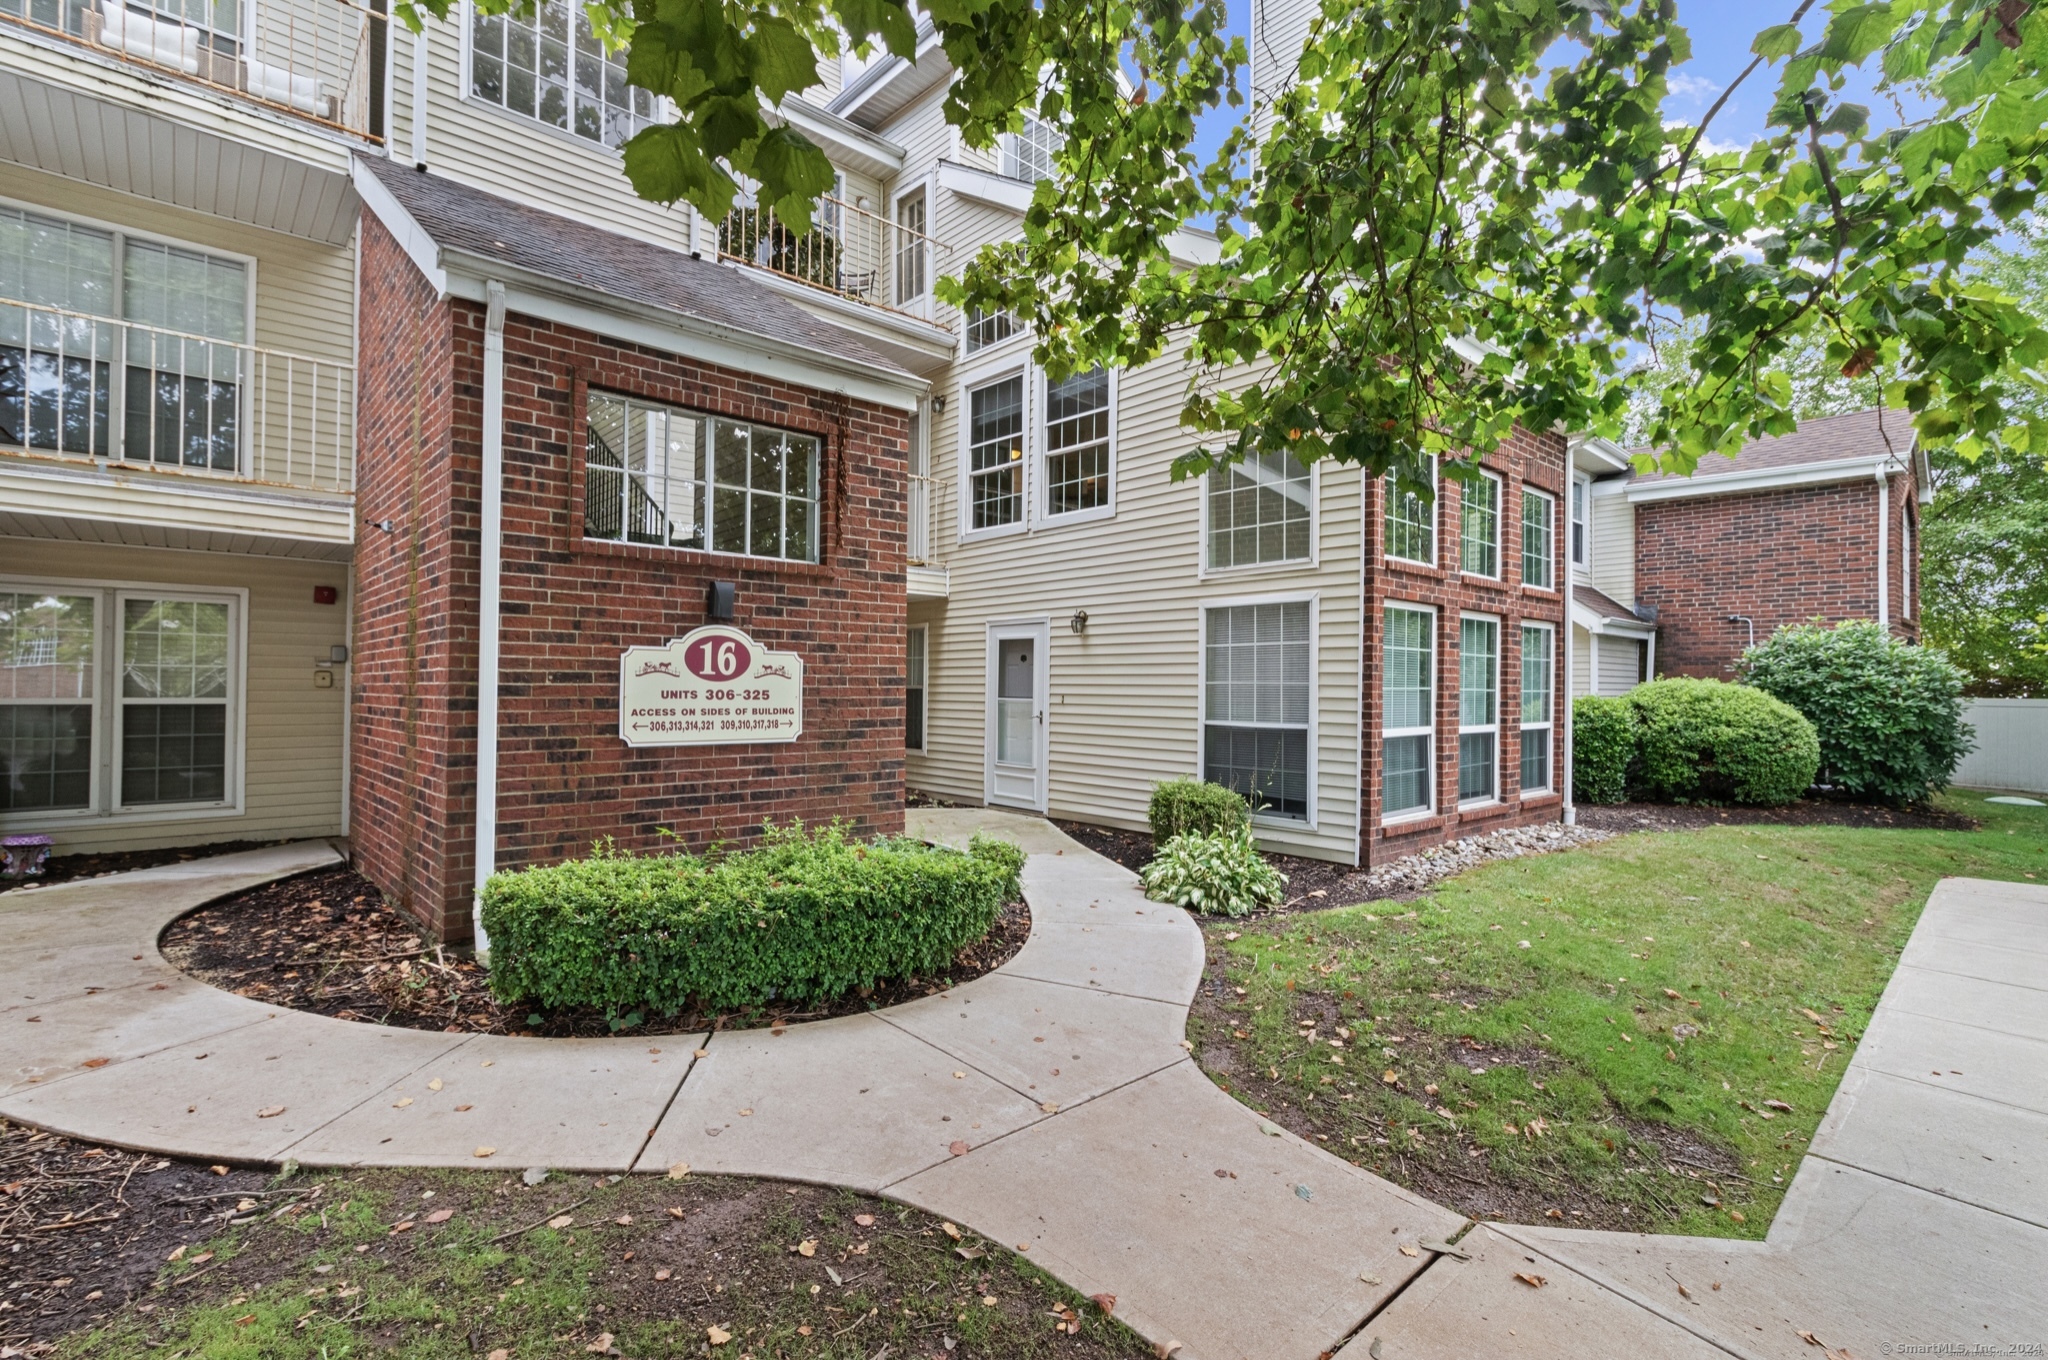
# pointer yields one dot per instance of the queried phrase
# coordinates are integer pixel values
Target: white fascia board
(1186, 246)
(166, 500)
(1594, 454)
(564, 303)
(421, 248)
(1760, 479)
(848, 146)
(1923, 476)
(1592, 622)
(891, 68)
(924, 336)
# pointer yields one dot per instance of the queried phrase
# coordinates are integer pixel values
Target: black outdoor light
(1079, 623)
(719, 597)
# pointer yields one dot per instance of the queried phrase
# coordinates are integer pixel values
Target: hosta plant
(1222, 874)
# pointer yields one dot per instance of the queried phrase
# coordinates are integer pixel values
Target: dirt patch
(66, 868)
(1804, 812)
(84, 1229)
(327, 942)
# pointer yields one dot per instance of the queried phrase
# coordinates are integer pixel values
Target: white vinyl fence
(2012, 745)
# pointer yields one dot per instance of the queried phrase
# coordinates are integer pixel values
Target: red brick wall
(570, 606)
(1532, 460)
(1778, 557)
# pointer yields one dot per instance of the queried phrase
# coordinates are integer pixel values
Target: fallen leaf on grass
(1817, 1019)
(601, 1345)
(678, 1171)
(560, 1221)
(1533, 1281)
(864, 1220)
(663, 1274)
(404, 1227)
(675, 1211)
(969, 1253)
(499, 1354)
(1106, 1302)
(1777, 1105)
(218, 1170)
(624, 1220)
(440, 1215)
(1390, 1077)
(950, 1230)
(1673, 995)
(201, 1259)
(177, 1253)
(807, 1247)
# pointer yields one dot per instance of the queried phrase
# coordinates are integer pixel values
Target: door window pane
(1016, 707)
(1478, 708)
(1479, 526)
(913, 690)
(1260, 511)
(183, 393)
(995, 466)
(1077, 417)
(46, 690)
(1256, 705)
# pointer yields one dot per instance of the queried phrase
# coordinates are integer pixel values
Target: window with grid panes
(1539, 538)
(1538, 719)
(1478, 709)
(49, 668)
(987, 328)
(1257, 694)
(551, 66)
(1479, 526)
(1410, 521)
(1407, 711)
(1077, 430)
(914, 669)
(1029, 155)
(1260, 510)
(911, 252)
(995, 454)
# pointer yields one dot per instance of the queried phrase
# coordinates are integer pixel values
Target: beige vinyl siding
(1278, 30)
(292, 752)
(1614, 546)
(1582, 663)
(304, 306)
(1123, 703)
(1621, 664)
(517, 157)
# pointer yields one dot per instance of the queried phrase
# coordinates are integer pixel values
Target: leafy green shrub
(1889, 714)
(1222, 873)
(1705, 741)
(1603, 744)
(1003, 855)
(1181, 806)
(799, 919)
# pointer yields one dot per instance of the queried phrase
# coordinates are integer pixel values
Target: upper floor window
(1260, 510)
(1410, 530)
(1478, 709)
(1077, 451)
(551, 66)
(989, 328)
(1029, 155)
(681, 480)
(141, 361)
(1479, 526)
(1579, 533)
(1539, 538)
(995, 454)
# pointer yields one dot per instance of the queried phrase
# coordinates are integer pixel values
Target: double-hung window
(1580, 534)
(1539, 539)
(1030, 155)
(1261, 510)
(1408, 712)
(995, 453)
(679, 479)
(1479, 526)
(117, 347)
(988, 328)
(140, 686)
(1077, 451)
(915, 663)
(1478, 709)
(1410, 522)
(551, 66)
(1538, 710)
(1257, 693)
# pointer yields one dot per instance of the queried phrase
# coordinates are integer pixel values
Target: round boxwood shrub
(1603, 744)
(1706, 741)
(1889, 714)
(1183, 806)
(1223, 874)
(802, 918)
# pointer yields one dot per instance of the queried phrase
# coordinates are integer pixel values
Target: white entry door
(1016, 714)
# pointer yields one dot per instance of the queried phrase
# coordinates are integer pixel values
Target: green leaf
(1779, 40)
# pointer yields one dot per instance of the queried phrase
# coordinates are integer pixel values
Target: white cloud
(1690, 86)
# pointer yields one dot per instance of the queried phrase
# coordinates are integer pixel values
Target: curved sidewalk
(1052, 1106)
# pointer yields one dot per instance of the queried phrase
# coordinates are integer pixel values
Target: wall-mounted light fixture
(1079, 623)
(386, 525)
(938, 403)
(719, 598)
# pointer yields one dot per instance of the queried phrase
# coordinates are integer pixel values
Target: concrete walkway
(1052, 1106)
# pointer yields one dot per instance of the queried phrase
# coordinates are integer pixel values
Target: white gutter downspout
(490, 562)
(1884, 549)
(421, 79)
(1571, 811)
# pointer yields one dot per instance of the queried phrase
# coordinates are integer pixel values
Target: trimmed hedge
(1603, 745)
(1705, 741)
(1889, 714)
(1222, 873)
(800, 919)
(1183, 806)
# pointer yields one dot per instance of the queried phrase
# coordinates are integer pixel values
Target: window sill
(1541, 590)
(1538, 797)
(1072, 517)
(78, 819)
(1480, 578)
(527, 120)
(1405, 564)
(699, 557)
(1241, 570)
(1480, 806)
(996, 531)
(1410, 824)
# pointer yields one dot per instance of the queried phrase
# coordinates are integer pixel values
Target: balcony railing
(310, 58)
(848, 251)
(131, 395)
(922, 548)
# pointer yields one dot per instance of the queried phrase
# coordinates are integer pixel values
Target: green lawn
(1571, 980)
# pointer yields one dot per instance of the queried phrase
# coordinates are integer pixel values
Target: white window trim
(663, 112)
(1436, 520)
(925, 688)
(1500, 519)
(1313, 599)
(1551, 501)
(1491, 799)
(1036, 512)
(1428, 810)
(1251, 570)
(1549, 723)
(104, 787)
(1582, 495)
(963, 442)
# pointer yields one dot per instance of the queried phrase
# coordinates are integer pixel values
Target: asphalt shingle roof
(1603, 604)
(1858, 434)
(474, 222)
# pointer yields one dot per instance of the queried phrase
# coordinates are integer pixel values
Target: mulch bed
(326, 942)
(65, 868)
(83, 1230)
(1804, 812)
(1312, 884)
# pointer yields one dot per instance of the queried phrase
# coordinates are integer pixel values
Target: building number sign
(712, 687)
